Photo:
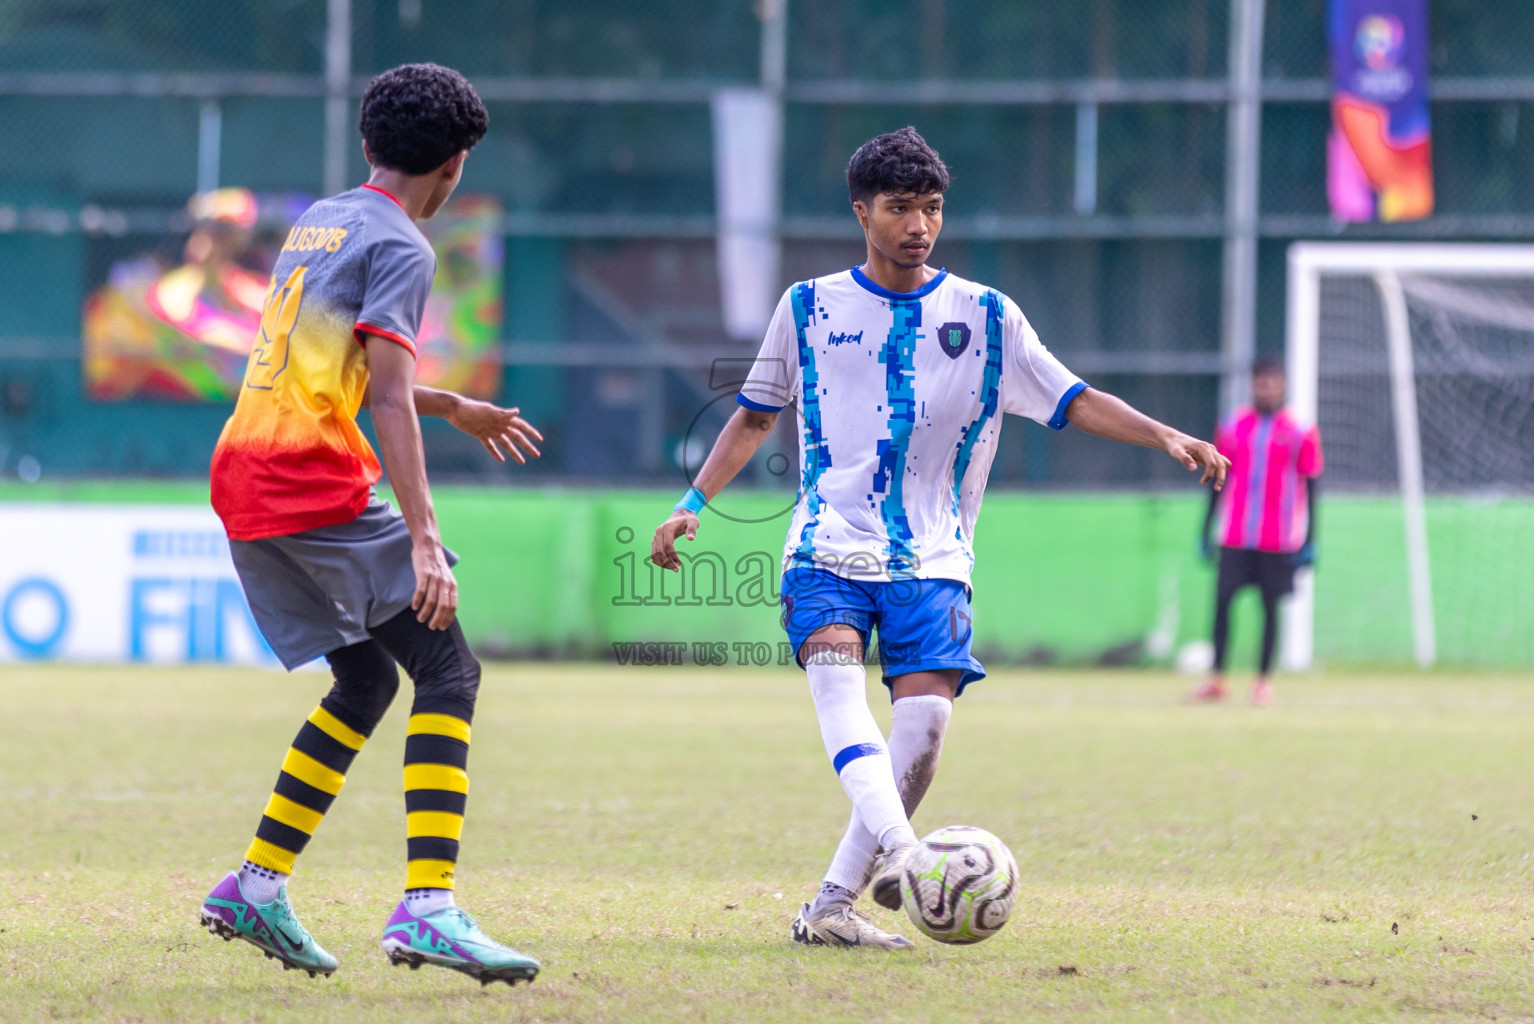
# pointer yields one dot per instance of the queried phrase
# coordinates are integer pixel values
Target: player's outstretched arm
(739, 440)
(1100, 413)
(391, 369)
(490, 425)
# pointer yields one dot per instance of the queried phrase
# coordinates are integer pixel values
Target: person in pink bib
(1265, 518)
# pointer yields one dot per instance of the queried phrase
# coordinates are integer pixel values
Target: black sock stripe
(456, 707)
(318, 744)
(432, 848)
(431, 748)
(286, 836)
(435, 800)
(300, 792)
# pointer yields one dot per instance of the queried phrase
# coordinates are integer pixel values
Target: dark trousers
(438, 661)
(1272, 573)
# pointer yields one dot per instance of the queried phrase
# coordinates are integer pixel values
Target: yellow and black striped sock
(436, 790)
(312, 774)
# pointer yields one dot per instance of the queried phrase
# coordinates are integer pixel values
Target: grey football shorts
(323, 589)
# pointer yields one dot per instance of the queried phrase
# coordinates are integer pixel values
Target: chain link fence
(1088, 144)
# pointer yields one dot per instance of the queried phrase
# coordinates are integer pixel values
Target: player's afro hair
(898, 163)
(417, 116)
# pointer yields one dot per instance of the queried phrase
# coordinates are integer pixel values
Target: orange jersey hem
(264, 525)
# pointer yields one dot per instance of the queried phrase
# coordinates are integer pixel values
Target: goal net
(1417, 363)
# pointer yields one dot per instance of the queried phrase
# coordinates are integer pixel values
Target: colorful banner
(182, 328)
(1379, 153)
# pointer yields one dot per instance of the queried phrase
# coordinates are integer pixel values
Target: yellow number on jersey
(271, 352)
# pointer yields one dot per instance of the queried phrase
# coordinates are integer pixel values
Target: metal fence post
(210, 141)
(338, 73)
(774, 15)
(1243, 149)
(1086, 159)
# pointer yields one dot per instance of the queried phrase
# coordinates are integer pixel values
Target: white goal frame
(1384, 263)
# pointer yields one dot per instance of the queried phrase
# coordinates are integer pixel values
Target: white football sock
(261, 885)
(917, 729)
(830, 895)
(421, 902)
(853, 863)
(856, 746)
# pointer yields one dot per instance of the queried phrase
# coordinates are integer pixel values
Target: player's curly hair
(417, 116)
(897, 163)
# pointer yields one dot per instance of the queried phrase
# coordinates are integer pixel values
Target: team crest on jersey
(954, 337)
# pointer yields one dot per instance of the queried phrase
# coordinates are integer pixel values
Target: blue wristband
(693, 501)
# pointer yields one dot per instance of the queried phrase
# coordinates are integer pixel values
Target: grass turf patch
(1358, 851)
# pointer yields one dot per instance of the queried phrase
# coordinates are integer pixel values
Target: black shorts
(1272, 572)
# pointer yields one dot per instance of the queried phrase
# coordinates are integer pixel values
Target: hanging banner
(748, 134)
(1379, 154)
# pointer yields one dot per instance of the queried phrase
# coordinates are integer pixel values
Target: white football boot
(840, 925)
(888, 865)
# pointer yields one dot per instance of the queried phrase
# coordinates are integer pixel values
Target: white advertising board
(121, 584)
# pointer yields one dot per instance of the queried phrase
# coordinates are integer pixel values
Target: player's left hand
(497, 428)
(663, 545)
(1196, 455)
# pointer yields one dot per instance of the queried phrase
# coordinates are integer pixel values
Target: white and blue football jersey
(899, 397)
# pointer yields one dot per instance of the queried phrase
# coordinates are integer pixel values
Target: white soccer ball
(959, 885)
(1195, 657)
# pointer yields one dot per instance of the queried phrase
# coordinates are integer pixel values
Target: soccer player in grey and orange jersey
(329, 569)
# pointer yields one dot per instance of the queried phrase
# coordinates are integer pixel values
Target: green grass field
(1360, 851)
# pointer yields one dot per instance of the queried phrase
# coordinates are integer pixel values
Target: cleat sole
(484, 975)
(216, 925)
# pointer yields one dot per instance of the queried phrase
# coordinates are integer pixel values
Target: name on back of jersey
(310, 239)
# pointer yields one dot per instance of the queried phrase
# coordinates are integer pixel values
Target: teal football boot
(450, 938)
(270, 927)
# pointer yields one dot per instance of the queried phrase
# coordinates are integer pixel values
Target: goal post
(1470, 309)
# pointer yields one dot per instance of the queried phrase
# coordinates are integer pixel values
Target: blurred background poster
(177, 325)
(1379, 154)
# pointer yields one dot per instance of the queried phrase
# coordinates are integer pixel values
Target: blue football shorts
(923, 625)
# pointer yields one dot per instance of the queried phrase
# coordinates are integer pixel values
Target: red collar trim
(386, 192)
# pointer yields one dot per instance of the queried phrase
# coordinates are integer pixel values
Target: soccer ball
(959, 885)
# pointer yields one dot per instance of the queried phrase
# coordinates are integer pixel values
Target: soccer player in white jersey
(900, 374)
